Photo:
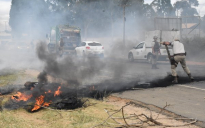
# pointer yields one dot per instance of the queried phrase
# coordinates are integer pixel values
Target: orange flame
(39, 103)
(58, 92)
(49, 91)
(20, 96)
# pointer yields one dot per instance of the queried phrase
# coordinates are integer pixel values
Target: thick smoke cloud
(101, 21)
(68, 68)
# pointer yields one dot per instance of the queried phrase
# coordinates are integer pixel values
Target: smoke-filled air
(83, 48)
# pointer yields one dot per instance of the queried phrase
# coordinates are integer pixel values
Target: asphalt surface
(186, 98)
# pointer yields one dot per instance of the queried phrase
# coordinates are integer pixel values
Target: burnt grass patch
(72, 97)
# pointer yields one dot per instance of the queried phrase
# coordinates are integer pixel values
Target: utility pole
(5, 25)
(124, 19)
(199, 26)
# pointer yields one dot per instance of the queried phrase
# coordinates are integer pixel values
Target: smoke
(193, 46)
(68, 68)
(104, 25)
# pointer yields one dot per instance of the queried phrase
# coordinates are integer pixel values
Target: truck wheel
(130, 57)
(149, 58)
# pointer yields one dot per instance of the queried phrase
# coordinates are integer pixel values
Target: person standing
(61, 43)
(179, 56)
(155, 52)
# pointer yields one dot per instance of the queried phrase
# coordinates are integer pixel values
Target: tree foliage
(25, 15)
(163, 7)
(186, 7)
(99, 15)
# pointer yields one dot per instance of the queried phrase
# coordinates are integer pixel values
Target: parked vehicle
(68, 34)
(143, 50)
(90, 49)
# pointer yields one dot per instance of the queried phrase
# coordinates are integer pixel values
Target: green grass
(7, 79)
(79, 118)
(8, 76)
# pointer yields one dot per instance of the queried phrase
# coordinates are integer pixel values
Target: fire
(58, 92)
(20, 96)
(39, 103)
(49, 91)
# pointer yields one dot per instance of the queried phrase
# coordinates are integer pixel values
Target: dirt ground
(132, 109)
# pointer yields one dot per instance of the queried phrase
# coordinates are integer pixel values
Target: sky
(6, 4)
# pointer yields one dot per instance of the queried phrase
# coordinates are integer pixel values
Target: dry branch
(141, 120)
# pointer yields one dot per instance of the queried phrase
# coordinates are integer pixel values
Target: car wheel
(149, 58)
(130, 57)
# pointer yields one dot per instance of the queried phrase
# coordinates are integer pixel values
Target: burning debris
(37, 95)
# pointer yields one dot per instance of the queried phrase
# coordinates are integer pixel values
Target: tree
(163, 7)
(186, 7)
(29, 17)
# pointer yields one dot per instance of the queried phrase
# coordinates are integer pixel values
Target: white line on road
(192, 87)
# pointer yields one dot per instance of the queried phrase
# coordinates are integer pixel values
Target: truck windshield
(70, 39)
(67, 33)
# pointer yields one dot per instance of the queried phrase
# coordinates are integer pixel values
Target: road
(186, 98)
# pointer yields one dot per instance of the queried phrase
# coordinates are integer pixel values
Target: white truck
(143, 50)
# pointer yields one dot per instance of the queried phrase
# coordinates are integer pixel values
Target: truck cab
(70, 36)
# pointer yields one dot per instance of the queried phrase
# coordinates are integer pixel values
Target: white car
(89, 49)
(144, 52)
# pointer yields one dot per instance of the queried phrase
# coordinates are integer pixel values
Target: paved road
(186, 99)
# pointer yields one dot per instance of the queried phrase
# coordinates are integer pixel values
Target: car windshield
(94, 44)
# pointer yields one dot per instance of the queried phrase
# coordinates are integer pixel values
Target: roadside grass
(9, 77)
(86, 117)
(79, 118)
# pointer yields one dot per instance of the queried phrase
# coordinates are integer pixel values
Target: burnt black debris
(69, 97)
(55, 95)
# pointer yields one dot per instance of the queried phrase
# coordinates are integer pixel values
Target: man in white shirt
(179, 56)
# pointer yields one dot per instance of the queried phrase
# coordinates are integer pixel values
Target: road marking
(192, 87)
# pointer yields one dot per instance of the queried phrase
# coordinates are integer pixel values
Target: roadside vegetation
(91, 114)
(7, 76)
(79, 118)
